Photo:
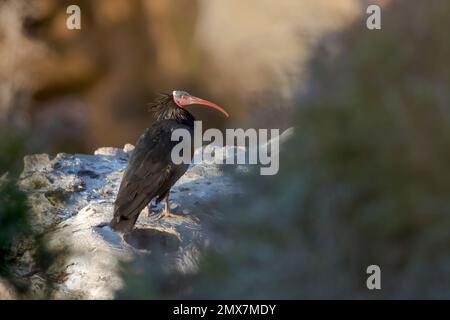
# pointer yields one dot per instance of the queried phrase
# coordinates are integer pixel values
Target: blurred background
(77, 90)
(364, 180)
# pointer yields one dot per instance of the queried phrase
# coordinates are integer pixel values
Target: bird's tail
(122, 224)
(126, 215)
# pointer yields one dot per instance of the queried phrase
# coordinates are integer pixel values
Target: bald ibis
(151, 173)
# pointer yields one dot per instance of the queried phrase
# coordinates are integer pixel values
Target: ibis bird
(151, 173)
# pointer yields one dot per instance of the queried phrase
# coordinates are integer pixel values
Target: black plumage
(151, 173)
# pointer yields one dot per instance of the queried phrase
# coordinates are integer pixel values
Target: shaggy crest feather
(164, 108)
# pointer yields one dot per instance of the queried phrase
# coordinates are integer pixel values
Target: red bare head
(183, 99)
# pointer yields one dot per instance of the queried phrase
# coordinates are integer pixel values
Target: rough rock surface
(73, 195)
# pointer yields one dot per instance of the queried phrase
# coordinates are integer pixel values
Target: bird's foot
(152, 215)
(155, 217)
(167, 214)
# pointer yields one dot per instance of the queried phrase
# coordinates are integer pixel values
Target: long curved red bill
(195, 100)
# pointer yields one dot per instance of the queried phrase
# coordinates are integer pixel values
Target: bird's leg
(152, 214)
(147, 211)
(166, 211)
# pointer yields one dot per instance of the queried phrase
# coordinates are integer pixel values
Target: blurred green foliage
(13, 220)
(17, 237)
(365, 180)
